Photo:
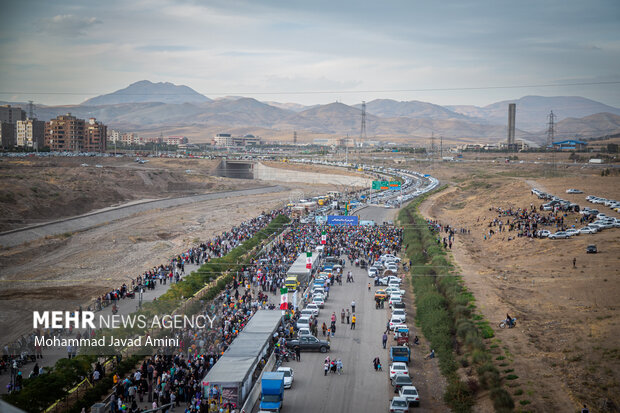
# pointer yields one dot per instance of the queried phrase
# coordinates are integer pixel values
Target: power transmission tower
(294, 137)
(550, 130)
(432, 142)
(363, 135)
(441, 147)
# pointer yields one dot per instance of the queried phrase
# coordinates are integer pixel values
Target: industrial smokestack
(512, 110)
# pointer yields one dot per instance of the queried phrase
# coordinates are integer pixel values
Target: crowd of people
(445, 232)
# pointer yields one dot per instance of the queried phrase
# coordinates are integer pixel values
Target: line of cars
(400, 354)
(305, 339)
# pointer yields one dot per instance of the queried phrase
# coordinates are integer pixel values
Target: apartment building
(65, 133)
(9, 116)
(30, 133)
(95, 134)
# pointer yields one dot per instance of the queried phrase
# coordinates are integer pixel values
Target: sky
(473, 52)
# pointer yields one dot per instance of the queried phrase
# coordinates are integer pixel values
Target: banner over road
(342, 220)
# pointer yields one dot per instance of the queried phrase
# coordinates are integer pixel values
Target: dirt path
(493, 301)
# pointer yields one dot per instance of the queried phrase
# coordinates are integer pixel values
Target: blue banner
(342, 220)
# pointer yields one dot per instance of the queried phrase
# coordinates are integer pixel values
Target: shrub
(458, 396)
(502, 399)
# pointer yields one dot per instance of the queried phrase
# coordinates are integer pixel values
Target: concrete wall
(268, 173)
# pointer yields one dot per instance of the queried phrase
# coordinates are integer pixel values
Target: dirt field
(566, 348)
(37, 190)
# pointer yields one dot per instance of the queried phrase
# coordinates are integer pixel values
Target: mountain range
(148, 107)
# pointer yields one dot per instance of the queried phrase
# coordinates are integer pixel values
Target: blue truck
(272, 391)
(400, 353)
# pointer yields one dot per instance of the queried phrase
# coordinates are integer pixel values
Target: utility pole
(441, 147)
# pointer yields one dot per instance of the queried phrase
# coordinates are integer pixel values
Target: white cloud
(67, 25)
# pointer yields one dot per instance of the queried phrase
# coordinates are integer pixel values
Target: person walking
(353, 320)
(342, 316)
(325, 368)
(384, 339)
(375, 363)
(298, 353)
(353, 306)
(339, 366)
(574, 262)
(348, 316)
(324, 328)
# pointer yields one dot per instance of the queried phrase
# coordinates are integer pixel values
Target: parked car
(591, 249)
(559, 235)
(571, 232)
(395, 299)
(315, 308)
(309, 343)
(544, 233)
(394, 290)
(411, 394)
(399, 405)
(588, 230)
(574, 191)
(399, 381)
(398, 368)
(399, 312)
(319, 301)
(303, 322)
(396, 321)
(288, 376)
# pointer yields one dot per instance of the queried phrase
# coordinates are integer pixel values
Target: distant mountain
(532, 111)
(295, 107)
(388, 108)
(592, 126)
(146, 91)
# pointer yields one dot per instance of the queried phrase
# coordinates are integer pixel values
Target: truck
(300, 269)
(272, 391)
(400, 353)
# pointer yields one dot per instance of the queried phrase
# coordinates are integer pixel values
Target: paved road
(360, 388)
(82, 222)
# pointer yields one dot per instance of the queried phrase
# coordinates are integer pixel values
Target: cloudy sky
(448, 52)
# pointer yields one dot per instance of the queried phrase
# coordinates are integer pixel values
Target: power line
(312, 92)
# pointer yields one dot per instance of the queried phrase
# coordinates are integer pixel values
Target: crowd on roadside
(19, 353)
(526, 222)
(445, 233)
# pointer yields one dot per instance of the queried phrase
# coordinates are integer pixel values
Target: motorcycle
(505, 323)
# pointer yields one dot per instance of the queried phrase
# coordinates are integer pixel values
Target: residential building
(95, 134)
(10, 114)
(131, 138)
(175, 140)
(223, 140)
(31, 133)
(115, 136)
(68, 133)
(7, 135)
(65, 133)
(8, 119)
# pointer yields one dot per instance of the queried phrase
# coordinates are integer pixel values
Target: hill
(600, 124)
(146, 91)
(388, 108)
(532, 111)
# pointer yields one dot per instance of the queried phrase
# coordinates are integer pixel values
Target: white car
(399, 312)
(398, 368)
(588, 230)
(394, 290)
(303, 322)
(544, 233)
(288, 376)
(307, 313)
(395, 299)
(389, 256)
(372, 272)
(397, 322)
(558, 235)
(574, 191)
(315, 308)
(319, 301)
(571, 232)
